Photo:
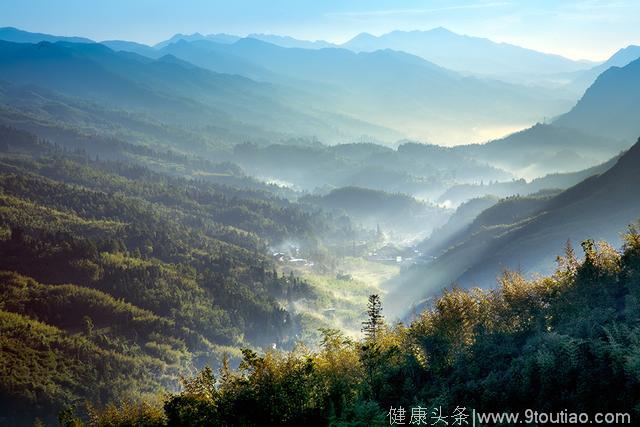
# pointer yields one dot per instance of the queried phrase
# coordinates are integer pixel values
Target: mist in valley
(212, 198)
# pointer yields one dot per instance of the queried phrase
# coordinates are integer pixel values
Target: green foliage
(552, 343)
(115, 281)
(148, 413)
(43, 368)
(397, 212)
(375, 321)
(150, 275)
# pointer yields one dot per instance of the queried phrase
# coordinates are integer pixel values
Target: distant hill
(140, 49)
(363, 201)
(346, 92)
(15, 35)
(173, 91)
(417, 169)
(205, 54)
(581, 80)
(546, 148)
(218, 38)
(18, 36)
(470, 219)
(602, 123)
(621, 58)
(611, 106)
(286, 41)
(399, 213)
(466, 53)
(456, 226)
(395, 89)
(597, 208)
(463, 192)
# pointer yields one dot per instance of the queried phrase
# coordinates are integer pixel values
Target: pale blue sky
(590, 29)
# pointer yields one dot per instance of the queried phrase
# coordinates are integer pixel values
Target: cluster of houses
(283, 257)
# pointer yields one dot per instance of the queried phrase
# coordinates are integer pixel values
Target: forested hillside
(221, 230)
(421, 170)
(115, 279)
(398, 213)
(551, 343)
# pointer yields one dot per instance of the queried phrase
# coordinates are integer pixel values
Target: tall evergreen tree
(375, 320)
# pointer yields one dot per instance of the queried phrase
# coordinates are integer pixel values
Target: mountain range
(222, 106)
(213, 198)
(395, 89)
(521, 232)
(16, 35)
(401, 92)
(524, 234)
(601, 124)
(611, 106)
(234, 90)
(579, 81)
(461, 193)
(467, 54)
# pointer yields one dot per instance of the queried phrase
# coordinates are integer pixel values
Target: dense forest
(397, 213)
(260, 230)
(549, 343)
(117, 279)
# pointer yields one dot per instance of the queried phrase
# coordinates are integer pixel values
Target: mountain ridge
(172, 90)
(466, 53)
(611, 105)
(596, 208)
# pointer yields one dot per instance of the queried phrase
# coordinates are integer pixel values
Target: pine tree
(567, 264)
(372, 326)
(225, 374)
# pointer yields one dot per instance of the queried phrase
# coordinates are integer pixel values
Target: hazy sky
(591, 29)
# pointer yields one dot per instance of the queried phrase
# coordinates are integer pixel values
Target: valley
(306, 210)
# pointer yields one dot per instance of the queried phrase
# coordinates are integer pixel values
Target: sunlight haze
(319, 213)
(568, 28)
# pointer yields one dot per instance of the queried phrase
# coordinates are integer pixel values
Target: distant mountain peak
(610, 105)
(624, 56)
(219, 38)
(172, 59)
(466, 53)
(363, 35)
(442, 30)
